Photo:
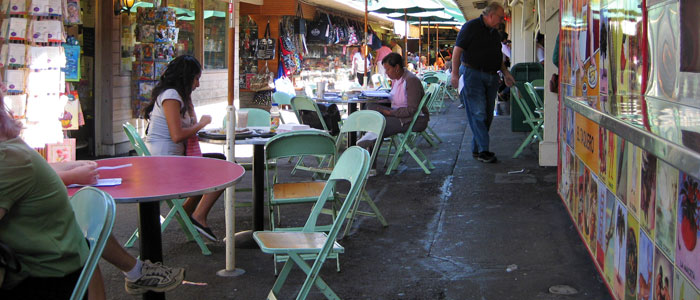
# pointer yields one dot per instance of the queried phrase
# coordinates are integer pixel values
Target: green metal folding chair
(308, 243)
(364, 121)
(534, 123)
(405, 142)
(536, 100)
(301, 105)
(94, 212)
(175, 205)
(429, 134)
(294, 144)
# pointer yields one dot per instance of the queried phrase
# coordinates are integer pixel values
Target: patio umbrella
(406, 7)
(430, 16)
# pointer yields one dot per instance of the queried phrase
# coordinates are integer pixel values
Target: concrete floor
(452, 234)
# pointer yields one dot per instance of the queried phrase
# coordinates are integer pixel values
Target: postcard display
(38, 64)
(638, 215)
(156, 37)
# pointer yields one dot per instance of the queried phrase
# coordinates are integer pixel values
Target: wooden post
(405, 39)
(364, 46)
(437, 41)
(420, 36)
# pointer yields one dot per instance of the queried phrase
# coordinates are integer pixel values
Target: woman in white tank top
(172, 122)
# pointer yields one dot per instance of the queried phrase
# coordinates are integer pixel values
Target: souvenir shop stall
(40, 64)
(301, 43)
(629, 141)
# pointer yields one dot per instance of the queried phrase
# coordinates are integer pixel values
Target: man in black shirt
(477, 55)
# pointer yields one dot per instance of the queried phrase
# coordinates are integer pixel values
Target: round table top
(156, 178)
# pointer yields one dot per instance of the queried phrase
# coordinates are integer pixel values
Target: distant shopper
(396, 48)
(382, 52)
(540, 48)
(359, 65)
(478, 48)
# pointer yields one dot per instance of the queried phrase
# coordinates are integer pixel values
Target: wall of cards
(638, 216)
(38, 63)
(156, 36)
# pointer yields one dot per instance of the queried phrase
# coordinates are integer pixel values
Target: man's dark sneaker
(475, 154)
(487, 157)
(155, 277)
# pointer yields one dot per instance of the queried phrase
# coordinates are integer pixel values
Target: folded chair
(175, 205)
(94, 212)
(534, 123)
(405, 142)
(352, 167)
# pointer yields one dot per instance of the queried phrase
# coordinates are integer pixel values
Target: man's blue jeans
(479, 97)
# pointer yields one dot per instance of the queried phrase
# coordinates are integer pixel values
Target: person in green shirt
(38, 223)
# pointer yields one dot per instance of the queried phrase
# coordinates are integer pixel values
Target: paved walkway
(452, 234)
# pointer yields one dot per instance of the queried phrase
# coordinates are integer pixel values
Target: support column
(548, 147)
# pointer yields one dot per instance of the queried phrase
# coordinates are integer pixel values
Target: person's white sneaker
(155, 277)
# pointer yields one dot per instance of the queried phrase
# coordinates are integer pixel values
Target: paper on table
(114, 167)
(379, 94)
(101, 182)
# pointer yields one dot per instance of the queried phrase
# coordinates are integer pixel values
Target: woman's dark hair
(178, 75)
(393, 59)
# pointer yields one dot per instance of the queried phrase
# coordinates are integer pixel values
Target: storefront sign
(586, 144)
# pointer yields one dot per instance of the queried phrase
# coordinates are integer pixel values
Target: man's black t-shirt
(481, 45)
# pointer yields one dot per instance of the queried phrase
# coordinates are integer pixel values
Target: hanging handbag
(263, 81)
(265, 47)
(299, 22)
(318, 29)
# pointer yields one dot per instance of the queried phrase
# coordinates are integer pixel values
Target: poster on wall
(647, 203)
(645, 265)
(665, 214)
(663, 276)
(634, 172)
(683, 289)
(632, 257)
(687, 250)
(620, 250)
(586, 141)
(610, 217)
(601, 226)
(621, 170)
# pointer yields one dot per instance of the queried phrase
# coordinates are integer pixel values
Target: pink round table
(151, 179)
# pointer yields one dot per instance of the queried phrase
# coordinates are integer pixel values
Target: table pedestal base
(244, 240)
(233, 273)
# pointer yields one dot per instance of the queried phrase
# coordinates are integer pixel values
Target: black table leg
(149, 238)
(352, 136)
(258, 187)
(244, 239)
